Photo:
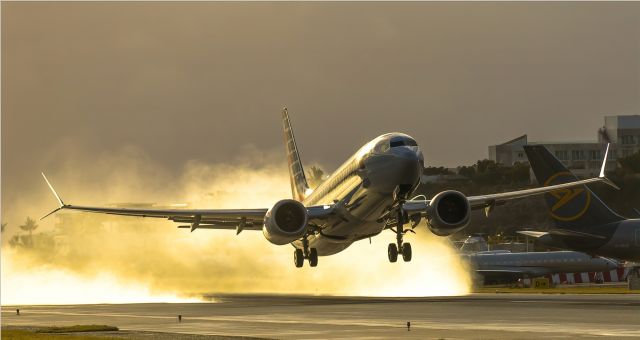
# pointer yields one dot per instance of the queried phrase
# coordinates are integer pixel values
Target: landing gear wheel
(406, 252)
(313, 257)
(392, 251)
(298, 258)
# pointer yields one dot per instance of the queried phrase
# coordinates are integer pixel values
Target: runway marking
(369, 323)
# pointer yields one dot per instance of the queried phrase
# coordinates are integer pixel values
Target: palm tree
(314, 176)
(30, 225)
(4, 225)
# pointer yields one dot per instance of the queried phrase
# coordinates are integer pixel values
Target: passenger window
(637, 237)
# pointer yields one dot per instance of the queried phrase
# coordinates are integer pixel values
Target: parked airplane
(369, 193)
(582, 221)
(503, 265)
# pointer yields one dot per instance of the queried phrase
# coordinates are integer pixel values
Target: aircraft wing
(488, 202)
(239, 219)
(491, 200)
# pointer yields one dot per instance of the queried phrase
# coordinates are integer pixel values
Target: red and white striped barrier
(615, 275)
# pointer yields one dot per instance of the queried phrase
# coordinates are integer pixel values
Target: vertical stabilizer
(576, 209)
(299, 186)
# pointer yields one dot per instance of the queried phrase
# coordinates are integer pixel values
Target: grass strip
(78, 328)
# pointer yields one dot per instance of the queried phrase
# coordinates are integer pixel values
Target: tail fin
(299, 186)
(578, 208)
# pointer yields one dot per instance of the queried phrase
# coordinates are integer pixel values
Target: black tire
(392, 251)
(406, 252)
(298, 258)
(313, 257)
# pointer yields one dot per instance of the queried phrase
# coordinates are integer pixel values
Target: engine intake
(285, 222)
(448, 212)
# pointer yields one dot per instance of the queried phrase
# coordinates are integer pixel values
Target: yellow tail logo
(565, 196)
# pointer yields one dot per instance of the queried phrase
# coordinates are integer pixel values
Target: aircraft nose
(612, 264)
(410, 153)
(412, 161)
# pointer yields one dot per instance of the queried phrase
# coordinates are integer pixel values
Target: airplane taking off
(582, 221)
(369, 193)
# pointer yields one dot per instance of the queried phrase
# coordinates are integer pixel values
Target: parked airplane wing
(239, 219)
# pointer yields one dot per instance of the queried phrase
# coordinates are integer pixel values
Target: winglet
(53, 191)
(604, 162)
(602, 169)
(60, 202)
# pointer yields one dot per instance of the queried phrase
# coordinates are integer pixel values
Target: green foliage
(42, 241)
(630, 164)
(467, 171)
(488, 172)
(29, 225)
(440, 170)
(20, 240)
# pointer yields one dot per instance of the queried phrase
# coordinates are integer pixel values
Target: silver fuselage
(540, 263)
(363, 189)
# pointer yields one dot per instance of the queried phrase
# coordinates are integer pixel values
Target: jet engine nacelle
(448, 212)
(285, 222)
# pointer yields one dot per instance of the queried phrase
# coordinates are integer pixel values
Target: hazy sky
(205, 81)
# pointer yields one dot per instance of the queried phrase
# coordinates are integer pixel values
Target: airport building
(584, 158)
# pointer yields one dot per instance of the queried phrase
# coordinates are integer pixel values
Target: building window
(627, 139)
(595, 155)
(520, 155)
(561, 154)
(577, 155)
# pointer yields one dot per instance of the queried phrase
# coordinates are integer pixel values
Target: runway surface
(293, 317)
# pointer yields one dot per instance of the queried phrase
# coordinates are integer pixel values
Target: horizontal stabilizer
(534, 234)
(560, 234)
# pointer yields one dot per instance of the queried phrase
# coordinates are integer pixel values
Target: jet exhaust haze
(120, 259)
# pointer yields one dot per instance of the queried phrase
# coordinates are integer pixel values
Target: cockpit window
(395, 143)
(401, 142)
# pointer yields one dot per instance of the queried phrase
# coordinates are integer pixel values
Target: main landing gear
(311, 254)
(399, 247)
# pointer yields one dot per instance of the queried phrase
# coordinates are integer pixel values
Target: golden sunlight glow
(50, 286)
